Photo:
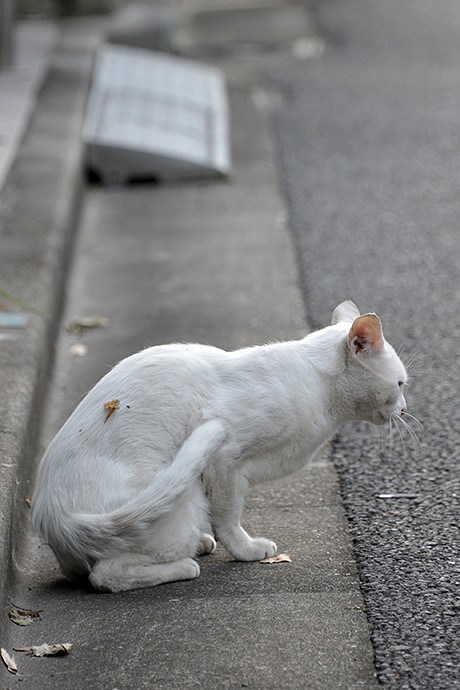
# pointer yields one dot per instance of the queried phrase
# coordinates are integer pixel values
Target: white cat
(130, 492)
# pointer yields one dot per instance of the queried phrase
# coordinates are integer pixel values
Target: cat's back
(143, 408)
(155, 369)
(149, 387)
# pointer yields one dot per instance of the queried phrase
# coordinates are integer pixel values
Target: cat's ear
(347, 311)
(366, 335)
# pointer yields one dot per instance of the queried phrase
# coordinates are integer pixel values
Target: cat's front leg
(226, 495)
(245, 548)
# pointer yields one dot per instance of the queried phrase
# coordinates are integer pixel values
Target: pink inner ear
(366, 334)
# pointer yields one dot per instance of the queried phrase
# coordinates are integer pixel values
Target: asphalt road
(369, 141)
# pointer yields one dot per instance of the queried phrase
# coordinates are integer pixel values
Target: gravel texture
(368, 141)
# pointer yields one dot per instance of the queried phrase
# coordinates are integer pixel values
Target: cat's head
(373, 367)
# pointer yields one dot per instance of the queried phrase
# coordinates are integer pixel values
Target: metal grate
(157, 115)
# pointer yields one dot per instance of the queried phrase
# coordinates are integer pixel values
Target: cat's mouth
(381, 418)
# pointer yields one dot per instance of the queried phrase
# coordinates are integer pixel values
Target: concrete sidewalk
(230, 280)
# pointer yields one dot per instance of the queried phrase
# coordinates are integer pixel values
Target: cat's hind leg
(207, 544)
(168, 550)
(137, 571)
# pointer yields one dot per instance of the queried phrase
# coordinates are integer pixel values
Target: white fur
(131, 498)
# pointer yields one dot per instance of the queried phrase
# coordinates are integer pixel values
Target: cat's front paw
(254, 550)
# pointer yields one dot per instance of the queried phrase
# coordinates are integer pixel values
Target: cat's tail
(79, 539)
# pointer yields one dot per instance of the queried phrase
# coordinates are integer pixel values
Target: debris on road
(397, 496)
(279, 558)
(78, 350)
(23, 616)
(47, 649)
(86, 323)
(8, 661)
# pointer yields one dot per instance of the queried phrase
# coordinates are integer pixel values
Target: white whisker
(390, 443)
(396, 419)
(411, 416)
(401, 349)
(379, 439)
(411, 433)
(413, 436)
(416, 363)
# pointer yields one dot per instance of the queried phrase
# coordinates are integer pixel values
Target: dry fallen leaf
(79, 326)
(23, 616)
(111, 407)
(8, 661)
(47, 649)
(279, 558)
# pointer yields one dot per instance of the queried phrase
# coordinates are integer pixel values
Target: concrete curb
(39, 206)
(19, 84)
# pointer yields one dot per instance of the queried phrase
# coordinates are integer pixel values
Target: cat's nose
(403, 405)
